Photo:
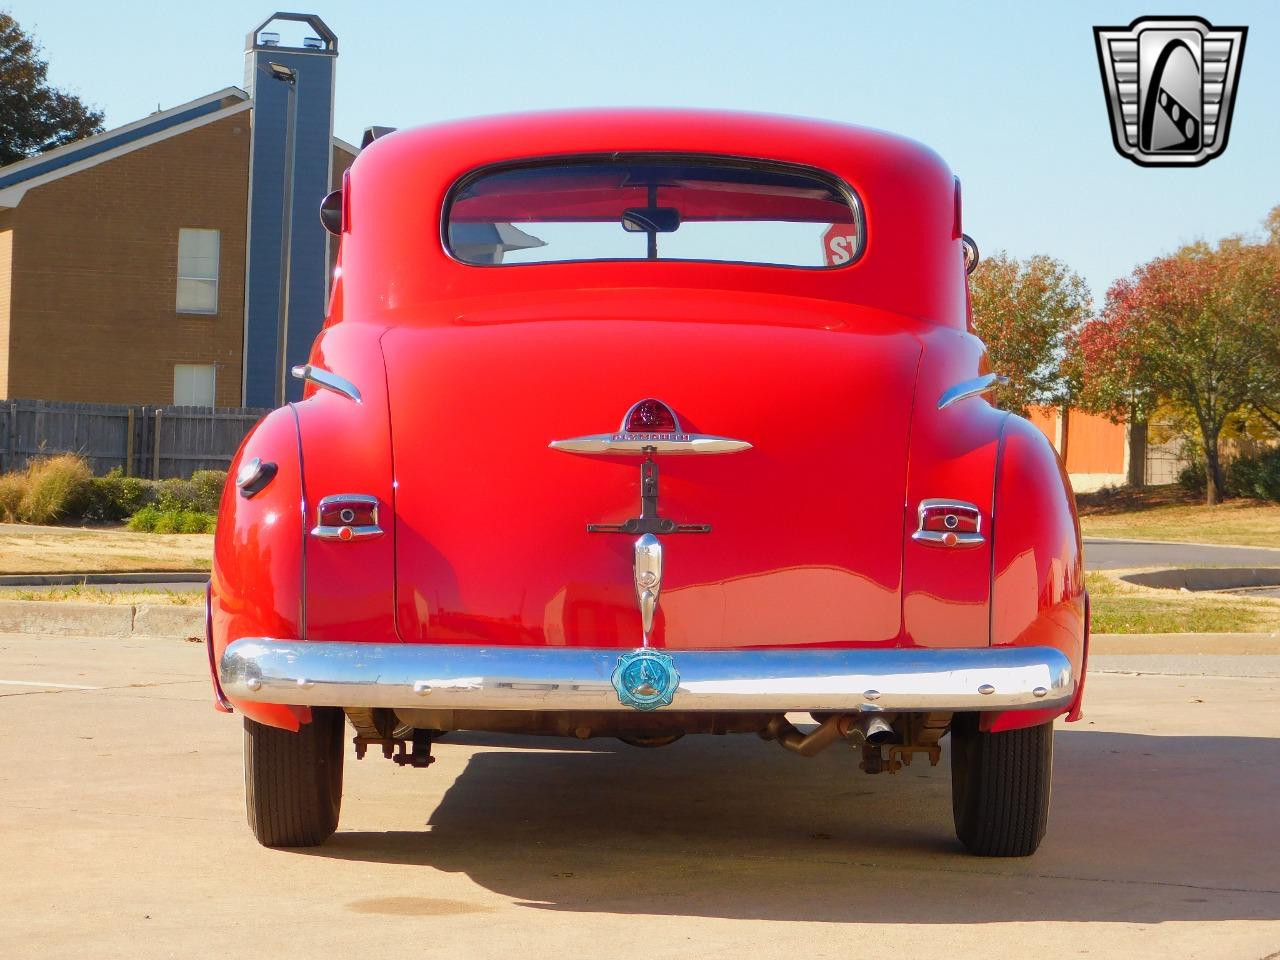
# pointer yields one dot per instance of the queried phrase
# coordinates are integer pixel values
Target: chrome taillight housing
(949, 523)
(347, 516)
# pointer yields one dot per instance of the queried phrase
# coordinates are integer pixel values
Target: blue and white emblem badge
(646, 679)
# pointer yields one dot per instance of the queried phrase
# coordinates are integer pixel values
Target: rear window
(654, 208)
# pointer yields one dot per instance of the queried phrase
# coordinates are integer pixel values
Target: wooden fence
(154, 442)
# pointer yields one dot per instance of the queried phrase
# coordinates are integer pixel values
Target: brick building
(144, 265)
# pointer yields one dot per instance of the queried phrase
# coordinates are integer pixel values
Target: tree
(34, 116)
(1026, 312)
(1200, 331)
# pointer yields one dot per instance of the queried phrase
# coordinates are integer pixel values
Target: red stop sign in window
(839, 244)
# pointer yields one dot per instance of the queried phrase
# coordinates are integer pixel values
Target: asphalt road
(122, 835)
(1102, 554)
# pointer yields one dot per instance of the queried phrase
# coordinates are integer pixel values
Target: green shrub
(168, 522)
(207, 486)
(57, 487)
(13, 486)
(145, 519)
(175, 494)
(155, 519)
(1257, 476)
(196, 521)
(117, 497)
(201, 493)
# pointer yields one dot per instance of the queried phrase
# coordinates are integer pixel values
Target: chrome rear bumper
(579, 678)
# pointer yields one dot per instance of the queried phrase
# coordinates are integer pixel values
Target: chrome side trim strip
(578, 678)
(329, 380)
(971, 388)
(644, 443)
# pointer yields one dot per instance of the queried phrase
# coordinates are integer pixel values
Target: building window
(194, 383)
(198, 270)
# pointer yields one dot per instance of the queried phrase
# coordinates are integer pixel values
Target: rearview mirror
(650, 219)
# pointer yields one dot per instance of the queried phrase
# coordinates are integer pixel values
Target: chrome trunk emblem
(630, 441)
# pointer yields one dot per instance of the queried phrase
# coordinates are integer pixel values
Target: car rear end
(650, 443)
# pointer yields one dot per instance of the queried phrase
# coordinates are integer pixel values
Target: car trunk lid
(806, 526)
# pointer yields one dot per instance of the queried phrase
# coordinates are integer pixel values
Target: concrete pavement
(123, 835)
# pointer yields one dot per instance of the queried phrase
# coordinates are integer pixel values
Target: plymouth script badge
(646, 679)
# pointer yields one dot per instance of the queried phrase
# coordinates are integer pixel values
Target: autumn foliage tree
(1026, 311)
(1199, 330)
(34, 116)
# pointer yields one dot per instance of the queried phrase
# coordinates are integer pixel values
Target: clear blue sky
(1009, 94)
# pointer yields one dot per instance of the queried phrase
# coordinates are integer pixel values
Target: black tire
(293, 781)
(1000, 785)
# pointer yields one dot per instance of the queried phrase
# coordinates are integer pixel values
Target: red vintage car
(639, 424)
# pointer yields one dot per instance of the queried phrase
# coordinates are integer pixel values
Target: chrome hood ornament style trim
(972, 388)
(648, 576)
(632, 442)
(328, 380)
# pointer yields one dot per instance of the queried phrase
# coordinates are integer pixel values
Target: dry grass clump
(50, 489)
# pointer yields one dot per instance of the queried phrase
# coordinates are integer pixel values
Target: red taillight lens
(949, 523)
(950, 518)
(347, 516)
(650, 416)
(348, 513)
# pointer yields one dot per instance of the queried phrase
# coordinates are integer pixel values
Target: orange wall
(1094, 444)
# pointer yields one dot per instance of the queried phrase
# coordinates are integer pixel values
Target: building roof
(17, 178)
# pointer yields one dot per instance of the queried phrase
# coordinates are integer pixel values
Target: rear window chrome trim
(850, 195)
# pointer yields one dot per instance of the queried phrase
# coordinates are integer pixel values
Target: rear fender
(346, 448)
(1037, 594)
(256, 585)
(953, 456)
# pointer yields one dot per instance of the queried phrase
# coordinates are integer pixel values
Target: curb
(69, 619)
(1223, 644)
(92, 579)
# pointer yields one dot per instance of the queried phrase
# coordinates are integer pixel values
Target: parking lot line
(40, 683)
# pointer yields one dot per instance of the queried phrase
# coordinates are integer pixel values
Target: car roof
(912, 262)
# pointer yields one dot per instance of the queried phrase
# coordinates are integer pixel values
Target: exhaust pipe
(829, 731)
(874, 728)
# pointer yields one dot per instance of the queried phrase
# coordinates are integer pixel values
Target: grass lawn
(90, 594)
(1119, 607)
(31, 549)
(1169, 513)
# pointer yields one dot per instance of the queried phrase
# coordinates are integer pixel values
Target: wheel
(293, 781)
(1000, 784)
